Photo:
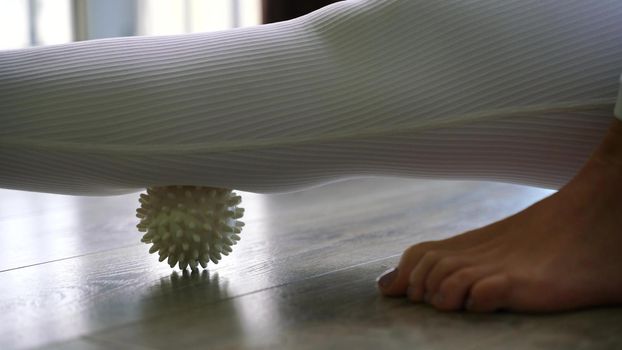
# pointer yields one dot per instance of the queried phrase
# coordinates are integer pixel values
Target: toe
(395, 282)
(489, 294)
(442, 269)
(417, 280)
(454, 290)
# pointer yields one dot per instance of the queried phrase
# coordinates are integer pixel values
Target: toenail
(386, 279)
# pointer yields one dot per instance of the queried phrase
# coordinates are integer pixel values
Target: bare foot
(562, 253)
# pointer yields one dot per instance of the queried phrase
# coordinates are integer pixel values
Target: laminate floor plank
(292, 243)
(342, 310)
(36, 228)
(92, 344)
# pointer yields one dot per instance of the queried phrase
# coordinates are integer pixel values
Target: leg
(513, 92)
(561, 253)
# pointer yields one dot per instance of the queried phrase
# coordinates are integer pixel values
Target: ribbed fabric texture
(517, 91)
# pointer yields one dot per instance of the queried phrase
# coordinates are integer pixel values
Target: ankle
(601, 176)
(609, 153)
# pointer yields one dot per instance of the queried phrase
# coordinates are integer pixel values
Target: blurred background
(25, 23)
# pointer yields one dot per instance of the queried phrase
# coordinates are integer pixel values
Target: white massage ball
(190, 225)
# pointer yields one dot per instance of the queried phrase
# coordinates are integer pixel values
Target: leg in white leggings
(517, 91)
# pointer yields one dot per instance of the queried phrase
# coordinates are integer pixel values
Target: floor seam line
(71, 257)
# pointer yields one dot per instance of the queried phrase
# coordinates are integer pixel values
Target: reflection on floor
(73, 275)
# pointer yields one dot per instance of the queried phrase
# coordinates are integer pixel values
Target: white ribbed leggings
(516, 91)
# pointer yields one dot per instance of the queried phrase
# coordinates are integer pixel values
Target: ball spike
(172, 260)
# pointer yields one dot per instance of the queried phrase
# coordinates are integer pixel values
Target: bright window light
(162, 17)
(53, 22)
(14, 29)
(250, 12)
(26, 23)
(211, 15)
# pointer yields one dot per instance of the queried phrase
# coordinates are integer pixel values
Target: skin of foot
(562, 253)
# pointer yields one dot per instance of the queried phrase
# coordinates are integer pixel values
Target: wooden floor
(73, 275)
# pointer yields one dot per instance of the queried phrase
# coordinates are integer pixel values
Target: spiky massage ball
(190, 225)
